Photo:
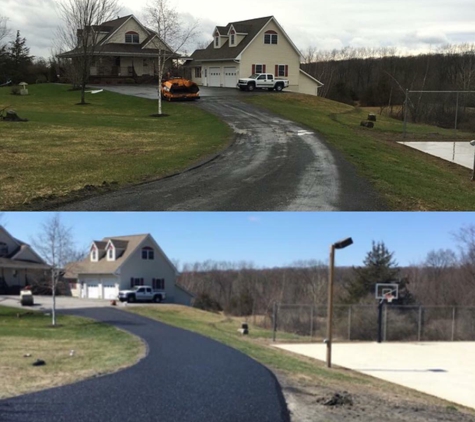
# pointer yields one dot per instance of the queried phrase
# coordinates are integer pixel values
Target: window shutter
(276, 73)
(141, 281)
(286, 70)
(131, 282)
(253, 69)
(263, 68)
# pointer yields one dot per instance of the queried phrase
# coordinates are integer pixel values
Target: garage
(230, 77)
(110, 291)
(92, 290)
(214, 76)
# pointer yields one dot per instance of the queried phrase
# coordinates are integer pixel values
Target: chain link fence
(360, 323)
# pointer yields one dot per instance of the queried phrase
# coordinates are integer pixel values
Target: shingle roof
(86, 266)
(251, 27)
(100, 245)
(16, 263)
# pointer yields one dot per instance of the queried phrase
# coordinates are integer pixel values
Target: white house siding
(147, 269)
(271, 55)
(131, 25)
(182, 297)
(307, 85)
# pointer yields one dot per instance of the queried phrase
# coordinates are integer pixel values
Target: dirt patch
(309, 402)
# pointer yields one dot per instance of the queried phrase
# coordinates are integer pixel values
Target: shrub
(129, 81)
(205, 302)
(15, 90)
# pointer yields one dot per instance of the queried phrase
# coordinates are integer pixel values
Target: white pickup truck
(141, 294)
(262, 81)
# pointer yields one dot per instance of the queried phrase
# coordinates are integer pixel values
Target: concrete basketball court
(464, 152)
(445, 370)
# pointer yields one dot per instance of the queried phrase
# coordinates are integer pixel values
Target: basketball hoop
(389, 297)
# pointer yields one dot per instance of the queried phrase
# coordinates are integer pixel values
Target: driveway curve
(273, 165)
(185, 377)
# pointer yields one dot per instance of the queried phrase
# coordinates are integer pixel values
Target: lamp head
(343, 243)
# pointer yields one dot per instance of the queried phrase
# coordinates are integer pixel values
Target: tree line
(380, 77)
(445, 277)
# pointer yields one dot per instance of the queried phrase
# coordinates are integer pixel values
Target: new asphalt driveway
(273, 164)
(185, 377)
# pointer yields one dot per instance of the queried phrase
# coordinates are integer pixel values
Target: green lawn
(98, 349)
(113, 141)
(406, 178)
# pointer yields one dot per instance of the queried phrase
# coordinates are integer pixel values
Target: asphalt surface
(273, 165)
(185, 377)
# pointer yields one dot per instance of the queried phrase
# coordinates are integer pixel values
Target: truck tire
(251, 87)
(279, 87)
(131, 299)
(157, 298)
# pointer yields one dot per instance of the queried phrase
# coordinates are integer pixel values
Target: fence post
(419, 325)
(406, 104)
(453, 322)
(274, 322)
(311, 322)
(349, 322)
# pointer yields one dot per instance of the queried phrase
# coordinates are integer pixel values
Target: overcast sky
(408, 25)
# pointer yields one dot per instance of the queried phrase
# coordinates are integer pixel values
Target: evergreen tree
(379, 267)
(19, 59)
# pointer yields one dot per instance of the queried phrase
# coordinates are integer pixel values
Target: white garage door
(214, 76)
(110, 291)
(230, 77)
(92, 290)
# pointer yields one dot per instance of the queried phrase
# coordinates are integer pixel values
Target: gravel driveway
(274, 164)
(185, 377)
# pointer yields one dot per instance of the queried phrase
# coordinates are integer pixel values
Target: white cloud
(406, 24)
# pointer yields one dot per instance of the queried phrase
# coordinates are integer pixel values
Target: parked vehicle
(141, 294)
(180, 89)
(262, 81)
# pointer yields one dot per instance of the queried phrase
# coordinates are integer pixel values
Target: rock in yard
(39, 362)
(343, 399)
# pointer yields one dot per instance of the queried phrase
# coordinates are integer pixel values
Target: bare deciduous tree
(55, 245)
(172, 35)
(4, 30)
(81, 34)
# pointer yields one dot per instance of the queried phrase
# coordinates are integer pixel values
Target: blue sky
(266, 239)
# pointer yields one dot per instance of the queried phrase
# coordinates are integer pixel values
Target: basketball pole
(330, 306)
(380, 321)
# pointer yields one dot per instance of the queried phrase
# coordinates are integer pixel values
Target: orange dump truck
(180, 89)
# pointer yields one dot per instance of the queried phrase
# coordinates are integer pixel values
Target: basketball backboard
(382, 289)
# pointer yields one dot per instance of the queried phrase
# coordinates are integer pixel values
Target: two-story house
(124, 49)
(242, 48)
(20, 265)
(120, 263)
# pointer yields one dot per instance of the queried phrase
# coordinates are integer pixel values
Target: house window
(136, 282)
(3, 249)
(158, 283)
(94, 255)
(110, 252)
(270, 37)
(258, 68)
(147, 253)
(282, 70)
(216, 41)
(197, 72)
(132, 37)
(233, 39)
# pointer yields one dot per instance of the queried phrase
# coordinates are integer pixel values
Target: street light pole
(472, 143)
(330, 306)
(337, 245)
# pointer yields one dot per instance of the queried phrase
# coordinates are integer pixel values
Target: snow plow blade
(180, 89)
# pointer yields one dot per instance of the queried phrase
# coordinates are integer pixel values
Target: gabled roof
(14, 257)
(130, 244)
(251, 28)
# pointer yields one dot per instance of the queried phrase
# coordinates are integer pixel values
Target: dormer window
(110, 252)
(270, 37)
(3, 249)
(94, 253)
(148, 253)
(232, 38)
(132, 37)
(216, 39)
